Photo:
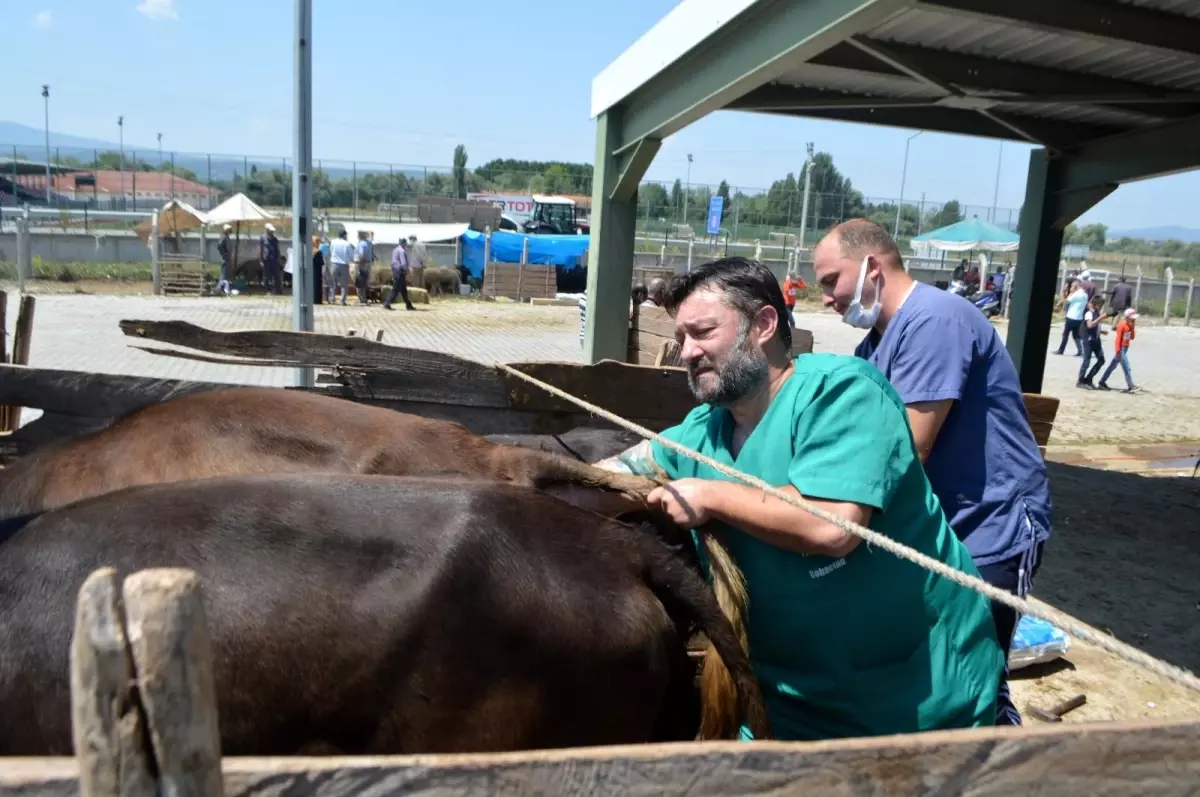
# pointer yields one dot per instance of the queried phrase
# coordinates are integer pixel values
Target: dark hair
(747, 285)
(639, 293)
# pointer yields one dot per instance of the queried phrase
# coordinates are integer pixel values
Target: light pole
(687, 191)
(46, 97)
(996, 193)
(302, 269)
(808, 164)
(160, 162)
(903, 176)
(121, 162)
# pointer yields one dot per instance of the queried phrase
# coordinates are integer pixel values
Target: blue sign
(715, 205)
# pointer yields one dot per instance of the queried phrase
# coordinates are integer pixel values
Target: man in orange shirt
(791, 290)
(1126, 332)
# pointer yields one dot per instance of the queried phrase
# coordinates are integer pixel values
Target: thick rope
(1039, 609)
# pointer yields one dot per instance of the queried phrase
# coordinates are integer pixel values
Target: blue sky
(403, 81)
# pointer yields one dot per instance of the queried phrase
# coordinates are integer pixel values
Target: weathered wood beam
(90, 395)
(1126, 759)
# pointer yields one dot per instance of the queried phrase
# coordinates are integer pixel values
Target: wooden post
(107, 728)
(520, 279)
(22, 341)
(172, 656)
(1187, 308)
(1170, 287)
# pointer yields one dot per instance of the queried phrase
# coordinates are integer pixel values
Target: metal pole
(996, 192)
(1187, 308)
(687, 190)
(903, 177)
(807, 184)
(46, 97)
(302, 276)
(121, 162)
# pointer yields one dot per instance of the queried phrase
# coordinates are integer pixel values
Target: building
(111, 189)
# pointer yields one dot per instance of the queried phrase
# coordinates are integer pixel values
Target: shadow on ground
(1124, 556)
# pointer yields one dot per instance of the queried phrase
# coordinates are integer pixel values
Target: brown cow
(377, 615)
(247, 430)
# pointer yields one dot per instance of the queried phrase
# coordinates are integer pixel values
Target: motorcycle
(988, 303)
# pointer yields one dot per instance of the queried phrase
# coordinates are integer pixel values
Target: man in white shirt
(1075, 305)
(364, 256)
(341, 253)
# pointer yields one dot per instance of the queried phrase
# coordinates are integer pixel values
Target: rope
(1040, 609)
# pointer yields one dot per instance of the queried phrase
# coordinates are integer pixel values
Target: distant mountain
(1186, 234)
(29, 142)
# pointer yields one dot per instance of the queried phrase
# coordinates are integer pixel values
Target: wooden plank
(802, 341)
(107, 724)
(90, 395)
(653, 319)
(1041, 408)
(23, 337)
(630, 391)
(1041, 432)
(1143, 759)
(172, 659)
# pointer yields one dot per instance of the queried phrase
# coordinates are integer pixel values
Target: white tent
(175, 217)
(240, 208)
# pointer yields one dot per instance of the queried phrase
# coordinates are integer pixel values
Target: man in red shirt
(1126, 332)
(791, 290)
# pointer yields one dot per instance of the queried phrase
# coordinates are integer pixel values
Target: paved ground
(79, 332)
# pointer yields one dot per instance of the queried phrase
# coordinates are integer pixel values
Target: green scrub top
(867, 644)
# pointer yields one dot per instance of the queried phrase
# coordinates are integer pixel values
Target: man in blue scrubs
(845, 639)
(964, 405)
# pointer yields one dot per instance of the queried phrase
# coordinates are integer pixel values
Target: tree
(460, 172)
(723, 192)
(677, 197)
(653, 200)
(951, 213)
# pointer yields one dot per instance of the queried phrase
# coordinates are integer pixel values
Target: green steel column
(1036, 282)
(610, 259)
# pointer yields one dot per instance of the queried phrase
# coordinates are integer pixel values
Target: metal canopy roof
(1057, 73)
(10, 166)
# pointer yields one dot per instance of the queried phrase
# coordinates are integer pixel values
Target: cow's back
(366, 614)
(261, 430)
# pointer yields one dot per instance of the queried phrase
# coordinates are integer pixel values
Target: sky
(404, 81)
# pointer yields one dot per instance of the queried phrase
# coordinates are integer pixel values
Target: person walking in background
(1091, 330)
(656, 292)
(225, 250)
(1075, 305)
(318, 270)
(416, 253)
(268, 258)
(1122, 300)
(1126, 332)
(341, 255)
(791, 291)
(364, 256)
(399, 275)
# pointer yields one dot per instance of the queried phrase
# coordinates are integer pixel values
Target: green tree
(677, 197)
(652, 200)
(460, 172)
(723, 192)
(950, 213)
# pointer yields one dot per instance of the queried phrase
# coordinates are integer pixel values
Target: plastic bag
(1036, 642)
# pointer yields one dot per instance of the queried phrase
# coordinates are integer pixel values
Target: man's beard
(740, 372)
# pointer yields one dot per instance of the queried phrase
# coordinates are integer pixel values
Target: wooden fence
(478, 396)
(22, 340)
(652, 338)
(145, 724)
(520, 281)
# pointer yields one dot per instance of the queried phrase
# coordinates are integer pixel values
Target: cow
(373, 615)
(244, 430)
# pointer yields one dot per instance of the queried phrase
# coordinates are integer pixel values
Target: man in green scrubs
(846, 640)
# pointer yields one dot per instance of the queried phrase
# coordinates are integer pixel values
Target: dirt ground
(1124, 557)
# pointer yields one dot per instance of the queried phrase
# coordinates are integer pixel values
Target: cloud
(159, 10)
(43, 19)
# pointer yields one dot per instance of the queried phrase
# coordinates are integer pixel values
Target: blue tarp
(557, 250)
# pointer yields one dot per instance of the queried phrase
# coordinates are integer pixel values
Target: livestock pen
(142, 684)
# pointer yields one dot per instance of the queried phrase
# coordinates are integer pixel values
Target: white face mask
(855, 315)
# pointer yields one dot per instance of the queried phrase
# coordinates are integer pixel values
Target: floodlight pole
(46, 98)
(302, 264)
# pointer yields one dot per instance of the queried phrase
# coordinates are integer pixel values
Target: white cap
(1131, 313)
(228, 227)
(270, 227)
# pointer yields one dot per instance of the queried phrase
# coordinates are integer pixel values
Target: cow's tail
(729, 691)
